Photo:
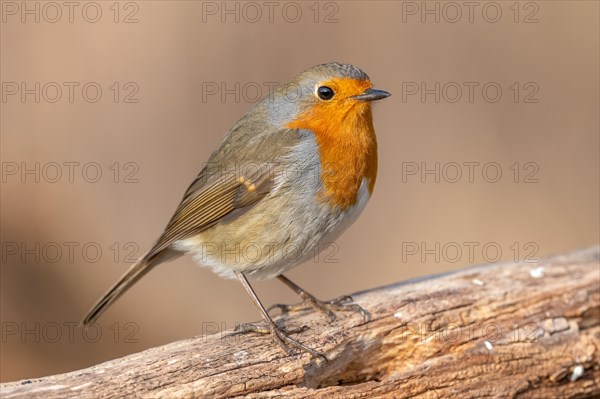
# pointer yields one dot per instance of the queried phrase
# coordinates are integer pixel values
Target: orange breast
(347, 148)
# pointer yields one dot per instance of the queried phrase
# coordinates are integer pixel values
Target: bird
(292, 174)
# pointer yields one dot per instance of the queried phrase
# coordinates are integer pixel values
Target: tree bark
(499, 330)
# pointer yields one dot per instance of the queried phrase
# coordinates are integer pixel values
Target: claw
(342, 299)
(285, 342)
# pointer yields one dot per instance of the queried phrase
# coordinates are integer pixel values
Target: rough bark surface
(500, 330)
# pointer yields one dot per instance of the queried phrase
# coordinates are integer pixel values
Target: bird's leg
(343, 303)
(278, 335)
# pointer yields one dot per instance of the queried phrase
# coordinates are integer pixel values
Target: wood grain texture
(500, 330)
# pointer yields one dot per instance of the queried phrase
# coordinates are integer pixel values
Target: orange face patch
(343, 128)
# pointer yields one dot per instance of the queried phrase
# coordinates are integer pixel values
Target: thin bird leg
(343, 303)
(279, 336)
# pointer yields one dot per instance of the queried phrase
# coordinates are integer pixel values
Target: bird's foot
(342, 304)
(281, 337)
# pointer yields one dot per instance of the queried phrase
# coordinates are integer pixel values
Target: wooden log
(499, 330)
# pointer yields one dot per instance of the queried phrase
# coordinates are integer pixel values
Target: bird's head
(325, 97)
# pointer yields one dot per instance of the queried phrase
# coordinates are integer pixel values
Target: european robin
(291, 175)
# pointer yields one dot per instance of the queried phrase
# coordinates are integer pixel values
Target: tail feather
(137, 271)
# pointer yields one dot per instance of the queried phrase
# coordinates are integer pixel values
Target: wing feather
(212, 202)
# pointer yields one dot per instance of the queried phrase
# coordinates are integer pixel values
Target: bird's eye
(325, 93)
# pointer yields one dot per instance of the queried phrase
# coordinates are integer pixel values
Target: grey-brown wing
(208, 203)
(232, 181)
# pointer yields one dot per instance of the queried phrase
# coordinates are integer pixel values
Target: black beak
(371, 95)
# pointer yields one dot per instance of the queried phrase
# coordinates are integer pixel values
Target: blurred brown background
(156, 122)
